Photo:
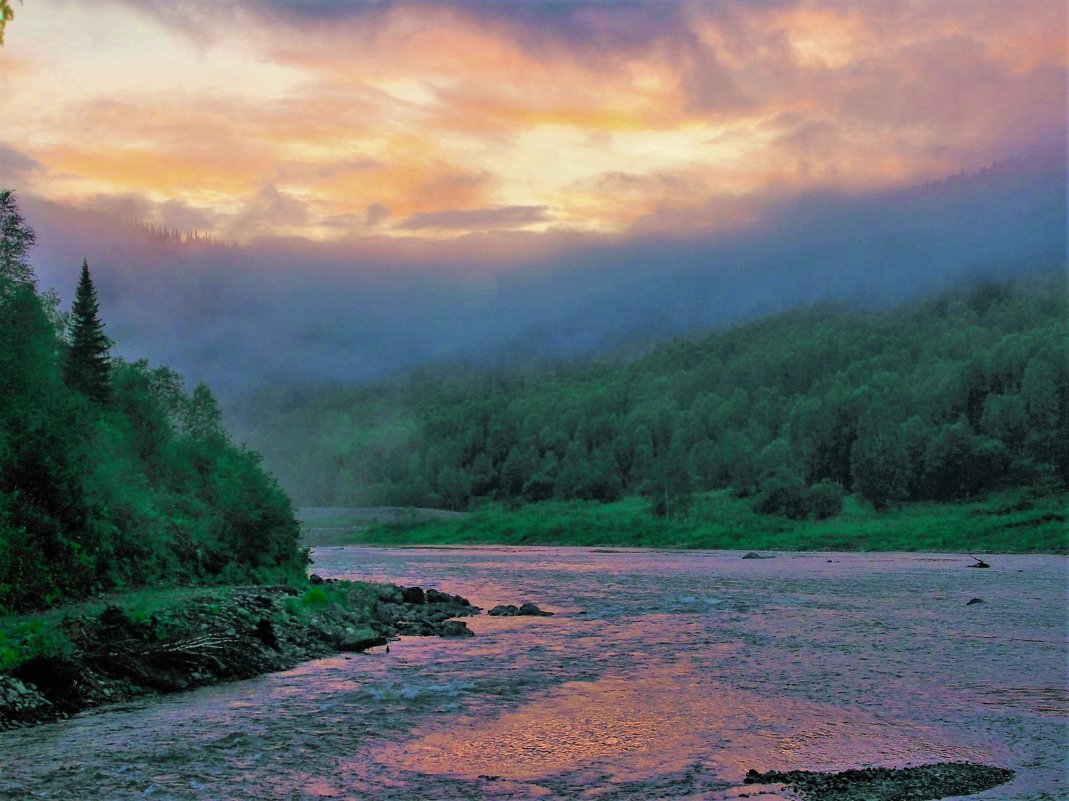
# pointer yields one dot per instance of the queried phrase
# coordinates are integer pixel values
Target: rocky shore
(920, 783)
(221, 635)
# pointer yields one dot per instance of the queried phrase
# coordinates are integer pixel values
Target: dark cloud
(376, 213)
(267, 209)
(174, 214)
(598, 24)
(128, 207)
(16, 166)
(477, 219)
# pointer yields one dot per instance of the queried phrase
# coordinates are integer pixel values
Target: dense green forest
(946, 399)
(111, 474)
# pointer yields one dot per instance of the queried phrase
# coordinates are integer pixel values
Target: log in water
(660, 675)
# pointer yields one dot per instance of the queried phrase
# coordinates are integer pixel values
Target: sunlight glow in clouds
(250, 118)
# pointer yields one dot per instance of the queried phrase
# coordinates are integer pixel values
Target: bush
(788, 496)
(783, 495)
(825, 499)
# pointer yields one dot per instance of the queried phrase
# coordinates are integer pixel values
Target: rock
(456, 628)
(974, 601)
(888, 784)
(265, 630)
(316, 579)
(414, 595)
(435, 597)
(356, 641)
(510, 610)
(752, 555)
(534, 611)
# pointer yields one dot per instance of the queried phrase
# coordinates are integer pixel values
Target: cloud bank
(284, 312)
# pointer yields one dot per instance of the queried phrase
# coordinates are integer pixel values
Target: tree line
(942, 400)
(112, 475)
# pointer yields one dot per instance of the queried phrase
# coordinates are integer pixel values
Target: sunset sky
(405, 181)
(334, 120)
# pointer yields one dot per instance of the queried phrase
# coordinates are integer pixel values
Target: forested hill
(113, 476)
(944, 399)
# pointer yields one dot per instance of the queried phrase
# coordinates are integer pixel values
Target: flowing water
(662, 675)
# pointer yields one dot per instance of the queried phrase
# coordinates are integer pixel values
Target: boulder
(358, 641)
(526, 610)
(414, 595)
(435, 597)
(533, 611)
(456, 628)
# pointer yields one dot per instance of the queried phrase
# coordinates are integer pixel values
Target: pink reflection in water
(663, 675)
(662, 720)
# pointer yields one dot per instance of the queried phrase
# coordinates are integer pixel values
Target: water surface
(661, 675)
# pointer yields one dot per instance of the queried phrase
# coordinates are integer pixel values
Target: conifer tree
(88, 367)
(16, 239)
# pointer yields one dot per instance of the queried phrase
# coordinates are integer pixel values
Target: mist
(286, 312)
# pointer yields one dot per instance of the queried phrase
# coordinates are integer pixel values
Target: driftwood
(979, 562)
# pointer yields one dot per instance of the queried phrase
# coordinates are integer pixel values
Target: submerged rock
(753, 555)
(525, 610)
(972, 601)
(922, 783)
(533, 610)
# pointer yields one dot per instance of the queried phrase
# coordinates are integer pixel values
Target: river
(662, 675)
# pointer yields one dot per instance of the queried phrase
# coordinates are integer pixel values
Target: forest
(945, 399)
(112, 475)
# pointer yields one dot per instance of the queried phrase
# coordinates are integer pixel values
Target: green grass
(1010, 522)
(23, 637)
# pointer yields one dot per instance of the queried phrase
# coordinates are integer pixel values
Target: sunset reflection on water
(662, 675)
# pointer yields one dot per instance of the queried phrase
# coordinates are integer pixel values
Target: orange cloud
(606, 117)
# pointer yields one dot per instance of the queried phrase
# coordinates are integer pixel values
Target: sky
(493, 165)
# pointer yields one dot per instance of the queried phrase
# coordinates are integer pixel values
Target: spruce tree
(16, 239)
(88, 367)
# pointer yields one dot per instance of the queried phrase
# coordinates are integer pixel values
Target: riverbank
(1010, 522)
(60, 662)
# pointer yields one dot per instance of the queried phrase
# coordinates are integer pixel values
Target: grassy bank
(170, 614)
(1012, 522)
(75, 657)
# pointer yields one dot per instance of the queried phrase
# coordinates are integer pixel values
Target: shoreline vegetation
(947, 400)
(1017, 521)
(57, 663)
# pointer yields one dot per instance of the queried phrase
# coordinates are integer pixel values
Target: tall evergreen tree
(88, 367)
(16, 239)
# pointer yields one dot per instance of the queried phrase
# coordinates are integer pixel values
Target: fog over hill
(284, 312)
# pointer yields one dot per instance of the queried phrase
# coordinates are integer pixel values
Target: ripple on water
(662, 675)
